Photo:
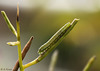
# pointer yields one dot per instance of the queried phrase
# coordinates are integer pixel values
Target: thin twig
(24, 51)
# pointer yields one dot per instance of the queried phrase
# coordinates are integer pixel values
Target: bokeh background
(41, 19)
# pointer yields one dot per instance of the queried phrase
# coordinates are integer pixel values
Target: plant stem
(20, 57)
(24, 51)
(38, 59)
(18, 39)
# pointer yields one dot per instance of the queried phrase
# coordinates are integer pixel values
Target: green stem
(35, 61)
(20, 57)
(19, 48)
(18, 39)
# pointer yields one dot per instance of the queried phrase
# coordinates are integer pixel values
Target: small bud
(13, 43)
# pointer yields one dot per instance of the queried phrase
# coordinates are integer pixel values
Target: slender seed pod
(11, 27)
(57, 37)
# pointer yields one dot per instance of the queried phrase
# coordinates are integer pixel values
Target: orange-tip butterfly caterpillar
(56, 39)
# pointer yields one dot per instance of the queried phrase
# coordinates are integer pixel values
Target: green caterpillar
(57, 37)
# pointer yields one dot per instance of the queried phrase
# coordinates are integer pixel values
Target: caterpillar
(57, 37)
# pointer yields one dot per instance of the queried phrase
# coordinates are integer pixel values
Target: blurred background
(41, 19)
